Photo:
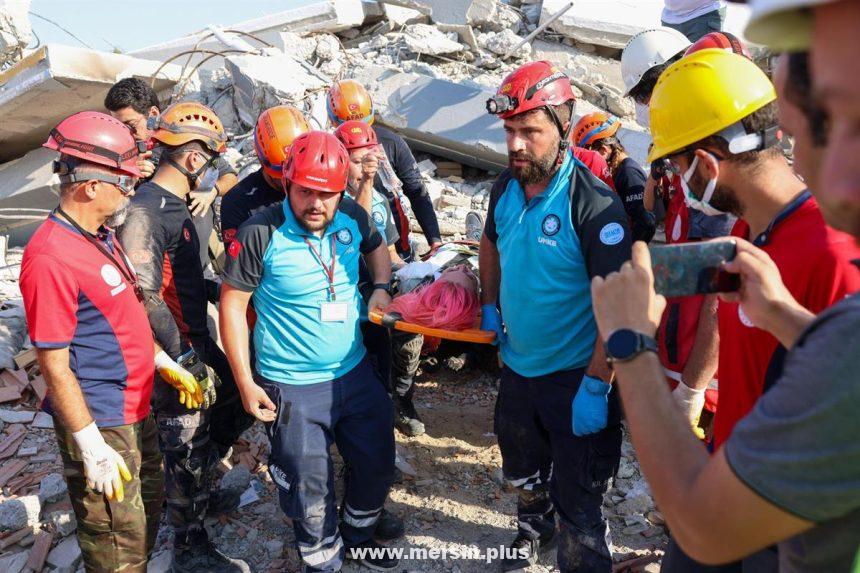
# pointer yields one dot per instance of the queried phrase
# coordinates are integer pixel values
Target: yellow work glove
(190, 392)
(104, 468)
(206, 378)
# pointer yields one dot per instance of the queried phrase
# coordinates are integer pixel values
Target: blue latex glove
(491, 319)
(590, 406)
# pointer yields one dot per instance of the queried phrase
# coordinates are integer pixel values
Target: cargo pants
(117, 536)
(554, 471)
(354, 412)
(193, 441)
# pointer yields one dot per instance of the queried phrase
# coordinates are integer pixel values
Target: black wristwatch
(382, 286)
(625, 344)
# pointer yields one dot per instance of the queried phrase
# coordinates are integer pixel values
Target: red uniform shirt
(815, 264)
(75, 297)
(595, 163)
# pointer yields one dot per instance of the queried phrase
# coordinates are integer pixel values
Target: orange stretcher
(395, 321)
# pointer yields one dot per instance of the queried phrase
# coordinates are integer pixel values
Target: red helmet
(355, 134)
(531, 86)
(721, 41)
(98, 138)
(317, 160)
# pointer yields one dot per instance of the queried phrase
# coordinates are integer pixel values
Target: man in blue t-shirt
(551, 227)
(312, 383)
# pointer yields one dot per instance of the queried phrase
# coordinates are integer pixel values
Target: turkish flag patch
(234, 249)
(229, 235)
(187, 234)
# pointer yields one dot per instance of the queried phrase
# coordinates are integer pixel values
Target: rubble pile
(430, 65)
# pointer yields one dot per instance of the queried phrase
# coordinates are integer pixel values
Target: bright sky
(105, 24)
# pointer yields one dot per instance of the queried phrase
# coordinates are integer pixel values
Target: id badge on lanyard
(330, 310)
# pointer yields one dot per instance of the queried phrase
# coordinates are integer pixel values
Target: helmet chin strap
(564, 144)
(191, 175)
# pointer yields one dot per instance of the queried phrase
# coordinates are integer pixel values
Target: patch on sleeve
(611, 234)
(140, 256)
(234, 249)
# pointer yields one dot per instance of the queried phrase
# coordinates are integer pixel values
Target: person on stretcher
(450, 302)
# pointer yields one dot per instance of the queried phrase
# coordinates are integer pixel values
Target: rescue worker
(348, 100)
(597, 131)
(788, 472)
(360, 142)
(163, 245)
(713, 115)
(135, 103)
(688, 340)
(405, 347)
(274, 132)
(93, 345)
(551, 227)
(693, 18)
(312, 383)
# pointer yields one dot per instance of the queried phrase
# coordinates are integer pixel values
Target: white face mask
(642, 115)
(208, 180)
(690, 199)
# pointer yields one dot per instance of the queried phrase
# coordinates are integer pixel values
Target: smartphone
(693, 268)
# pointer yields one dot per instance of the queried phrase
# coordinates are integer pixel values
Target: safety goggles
(67, 174)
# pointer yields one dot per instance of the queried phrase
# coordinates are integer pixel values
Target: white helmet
(647, 49)
(783, 25)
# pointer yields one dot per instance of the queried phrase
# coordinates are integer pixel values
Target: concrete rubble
(611, 23)
(15, 32)
(430, 66)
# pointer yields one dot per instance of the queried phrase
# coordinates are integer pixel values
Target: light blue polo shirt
(545, 291)
(293, 344)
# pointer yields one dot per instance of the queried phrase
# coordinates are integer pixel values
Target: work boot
(374, 555)
(389, 527)
(524, 551)
(204, 558)
(223, 502)
(474, 226)
(406, 417)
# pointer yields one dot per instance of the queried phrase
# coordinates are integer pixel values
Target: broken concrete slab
(503, 43)
(401, 16)
(260, 82)
(488, 14)
(56, 81)
(439, 117)
(429, 41)
(27, 185)
(19, 512)
(329, 16)
(612, 23)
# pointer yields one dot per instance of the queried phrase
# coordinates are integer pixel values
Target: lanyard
(123, 268)
(328, 270)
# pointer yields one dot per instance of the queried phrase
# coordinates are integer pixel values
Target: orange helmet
(276, 129)
(190, 121)
(593, 127)
(347, 99)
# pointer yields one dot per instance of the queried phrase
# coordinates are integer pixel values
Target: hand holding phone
(694, 268)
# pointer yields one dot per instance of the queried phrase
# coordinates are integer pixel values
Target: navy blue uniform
(629, 182)
(160, 239)
(250, 196)
(312, 363)
(549, 249)
(406, 168)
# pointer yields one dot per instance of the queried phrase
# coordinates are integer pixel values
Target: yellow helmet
(701, 95)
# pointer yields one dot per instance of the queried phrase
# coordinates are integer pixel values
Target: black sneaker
(206, 558)
(374, 555)
(474, 226)
(406, 417)
(524, 551)
(389, 527)
(223, 502)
